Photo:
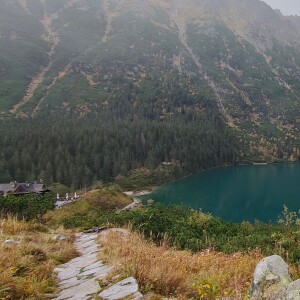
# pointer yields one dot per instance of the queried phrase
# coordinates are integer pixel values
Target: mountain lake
(239, 193)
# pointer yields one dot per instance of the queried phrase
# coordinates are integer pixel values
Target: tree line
(79, 151)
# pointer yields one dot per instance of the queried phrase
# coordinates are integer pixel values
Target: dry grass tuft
(204, 275)
(26, 268)
(11, 225)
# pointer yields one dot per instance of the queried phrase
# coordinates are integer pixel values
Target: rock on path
(79, 278)
(122, 289)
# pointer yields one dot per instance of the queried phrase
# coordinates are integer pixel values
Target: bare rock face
(271, 278)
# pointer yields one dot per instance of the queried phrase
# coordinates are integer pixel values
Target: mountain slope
(237, 61)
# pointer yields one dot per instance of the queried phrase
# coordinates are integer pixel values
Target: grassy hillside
(93, 204)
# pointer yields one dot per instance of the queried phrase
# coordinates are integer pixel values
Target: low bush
(26, 206)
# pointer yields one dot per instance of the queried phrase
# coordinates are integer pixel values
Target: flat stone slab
(68, 273)
(81, 291)
(122, 289)
(95, 265)
(86, 244)
(91, 250)
(68, 283)
(81, 262)
(96, 273)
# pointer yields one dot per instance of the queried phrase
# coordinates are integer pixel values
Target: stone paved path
(79, 278)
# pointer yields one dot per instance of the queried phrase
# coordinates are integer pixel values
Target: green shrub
(27, 206)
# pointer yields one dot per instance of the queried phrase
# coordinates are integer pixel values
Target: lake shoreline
(151, 189)
(138, 193)
(235, 194)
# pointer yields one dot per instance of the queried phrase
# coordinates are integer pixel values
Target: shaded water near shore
(237, 193)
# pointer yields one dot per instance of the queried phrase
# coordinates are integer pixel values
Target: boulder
(124, 288)
(10, 243)
(59, 237)
(271, 277)
(293, 291)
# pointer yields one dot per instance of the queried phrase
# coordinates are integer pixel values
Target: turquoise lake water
(237, 193)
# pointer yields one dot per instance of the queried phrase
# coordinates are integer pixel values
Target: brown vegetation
(204, 275)
(26, 267)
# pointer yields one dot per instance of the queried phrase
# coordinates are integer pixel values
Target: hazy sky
(287, 7)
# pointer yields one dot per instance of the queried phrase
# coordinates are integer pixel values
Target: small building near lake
(18, 189)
